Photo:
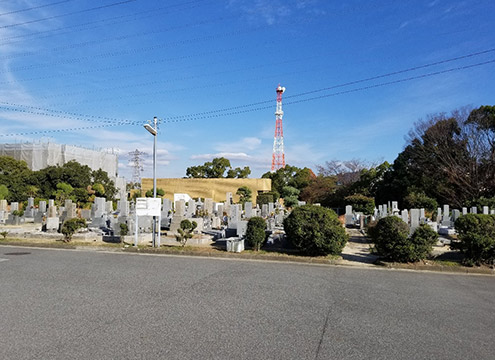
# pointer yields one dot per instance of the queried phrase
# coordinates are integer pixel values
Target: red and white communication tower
(278, 158)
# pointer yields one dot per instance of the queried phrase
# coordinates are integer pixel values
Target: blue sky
(77, 64)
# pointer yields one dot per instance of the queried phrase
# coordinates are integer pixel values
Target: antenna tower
(278, 158)
(137, 165)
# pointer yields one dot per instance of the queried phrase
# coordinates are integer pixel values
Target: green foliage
(63, 192)
(18, 213)
(4, 192)
(4, 234)
(290, 195)
(70, 226)
(318, 189)
(482, 201)
(101, 177)
(216, 169)
(99, 189)
(392, 240)
(289, 176)
(418, 200)
(159, 192)
(124, 229)
(315, 230)
(264, 198)
(15, 176)
(244, 194)
(255, 232)
(185, 232)
(361, 203)
(476, 238)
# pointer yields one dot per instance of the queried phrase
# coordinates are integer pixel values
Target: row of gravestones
(444, 223)
(211, 215)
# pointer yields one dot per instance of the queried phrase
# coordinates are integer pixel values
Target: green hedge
(392, 240)
(255, 232)
(476, 234)
(315, 231)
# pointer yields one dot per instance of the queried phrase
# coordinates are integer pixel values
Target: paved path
(357, 250)
(62, 304)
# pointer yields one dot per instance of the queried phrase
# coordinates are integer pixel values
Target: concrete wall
(207, 188)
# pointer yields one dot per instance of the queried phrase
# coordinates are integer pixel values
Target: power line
(67, 14)
(82, 26)
(35, 7)
(237, 109)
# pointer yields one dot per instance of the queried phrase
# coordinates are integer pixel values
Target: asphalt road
(59, 304)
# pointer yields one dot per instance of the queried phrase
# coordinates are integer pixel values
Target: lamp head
(150, 129)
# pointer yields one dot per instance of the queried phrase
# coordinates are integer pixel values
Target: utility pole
(154, 131)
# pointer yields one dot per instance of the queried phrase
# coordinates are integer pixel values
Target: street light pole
(153, 131)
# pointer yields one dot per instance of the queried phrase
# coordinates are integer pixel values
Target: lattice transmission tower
(137, 165)
(278, 157)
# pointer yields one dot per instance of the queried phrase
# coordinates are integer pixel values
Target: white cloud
(247, 143)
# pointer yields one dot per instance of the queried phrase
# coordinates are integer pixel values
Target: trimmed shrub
(255, 232)
(124, 229)
(361, 203)
(70, 226)
(315, 231)
(476, 238)
(392, 240)
(185, 231)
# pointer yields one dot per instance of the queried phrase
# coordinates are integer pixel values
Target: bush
(476, 238)
(70, 226)
(124, 229)
(255, 233)
(315, 230)
(361, 203)
(185, 231)
(420, 201)
(392, 240)
(264, 199)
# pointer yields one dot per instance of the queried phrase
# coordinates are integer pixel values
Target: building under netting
(40, 155)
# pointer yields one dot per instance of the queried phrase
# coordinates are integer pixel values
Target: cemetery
(220, 225)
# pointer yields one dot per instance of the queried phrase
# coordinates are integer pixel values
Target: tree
(244, 194)
(70, 226)
(418, 200)
(15, 175)
(289, 176)
(290, 195)
(99, 189)
(159, 192)
(63, 192)
(315, 231)
(255, 232)
(4, 192)
(264, 198)
(318, 189)
(185, 231)
(361, 203)
(216, 169)
(101, 177)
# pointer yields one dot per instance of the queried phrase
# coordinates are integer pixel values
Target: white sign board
(148, 206)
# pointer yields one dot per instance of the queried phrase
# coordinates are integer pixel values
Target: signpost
(148, 207)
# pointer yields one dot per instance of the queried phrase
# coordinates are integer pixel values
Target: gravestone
(264, 210)
(464, 211)
(208, 206)
(29, 208)
(439, 215)
(228, 198)
(14, 206)
(404, 216)
(180, 208)
(241, 228)
(455, 214)
(42, 206)
(414, 219)
(220, 210)
(109, 207)
(52, 211)
(474, 210)
(51, 202)
(492, 212)
(248, 209)
(191, 208)
(52, 224)
(385, 210)
(349, 217)
(421, 214)
(123, 207)
(216, 223)
(395, 206)
(485, 210)
(271, 208)
(3, 205)
(86, 214)
(446, 216)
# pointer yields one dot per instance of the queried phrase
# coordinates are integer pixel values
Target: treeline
(69, 181)
(448, 159)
